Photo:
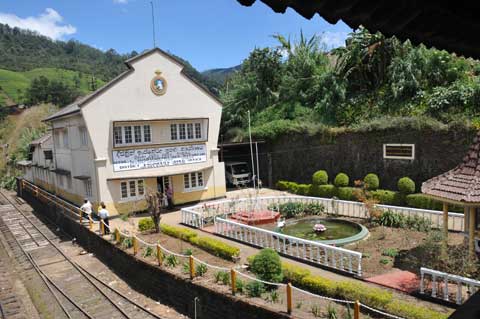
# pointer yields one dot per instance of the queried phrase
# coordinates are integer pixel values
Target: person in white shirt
(103, 214)
(86, 207)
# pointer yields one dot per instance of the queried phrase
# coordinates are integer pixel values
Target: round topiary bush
(341, 180)
(371, 181)
(267, 265)
(406, 185)
(320, 178)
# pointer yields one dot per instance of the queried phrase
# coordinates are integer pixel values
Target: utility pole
(153, 25)
(251, 151)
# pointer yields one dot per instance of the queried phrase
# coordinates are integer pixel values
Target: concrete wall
(297, 157)
(153, 281)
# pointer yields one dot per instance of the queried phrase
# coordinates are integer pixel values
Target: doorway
(162, 183)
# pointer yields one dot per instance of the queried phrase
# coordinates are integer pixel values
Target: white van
(237, 173)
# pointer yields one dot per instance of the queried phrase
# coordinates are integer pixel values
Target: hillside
(14, 84)
(219, 76)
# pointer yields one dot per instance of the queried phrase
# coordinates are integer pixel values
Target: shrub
(326, 191)
(387, 197)
(171, 261)
(374, 297)
(341, 180)
(147, 252)
(291, 209)
(267, 265)
(320, 178)
(223, 277)
(411, 311)
(292, 187)
(201, 269)
(390, 252)
(313, 208)
(292, 273)
(282, 185)
(372, 182)
(303, 189)
(145, 224)
(346, 193)
(392, 219)
(384, 261)
(217, 247)
(213, 246)
(240, 285)
(406, 185)
(254, 289)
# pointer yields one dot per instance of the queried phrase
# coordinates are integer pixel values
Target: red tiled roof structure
(461, 184)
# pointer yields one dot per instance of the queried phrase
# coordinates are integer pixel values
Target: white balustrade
(260, 238)
(436, 277)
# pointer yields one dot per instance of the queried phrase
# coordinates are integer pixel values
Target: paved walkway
(174, 218)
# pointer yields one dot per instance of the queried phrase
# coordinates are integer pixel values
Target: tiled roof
(41, 139)
(461, 184)
(448, 25)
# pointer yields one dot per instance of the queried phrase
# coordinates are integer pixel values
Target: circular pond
(338, 231)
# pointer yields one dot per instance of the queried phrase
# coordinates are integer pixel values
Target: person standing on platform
(169, 193)
(103, 214)
(86, 208)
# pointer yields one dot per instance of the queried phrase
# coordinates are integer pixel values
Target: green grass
(11, 82)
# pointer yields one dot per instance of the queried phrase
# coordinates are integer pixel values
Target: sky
(209, 33)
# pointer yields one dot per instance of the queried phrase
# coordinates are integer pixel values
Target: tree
(155, 207)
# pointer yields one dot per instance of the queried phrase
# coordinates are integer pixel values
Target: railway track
(79, 293)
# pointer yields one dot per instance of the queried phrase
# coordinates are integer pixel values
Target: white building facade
(150, 127)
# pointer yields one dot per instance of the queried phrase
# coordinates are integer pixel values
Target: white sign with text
(125, 160)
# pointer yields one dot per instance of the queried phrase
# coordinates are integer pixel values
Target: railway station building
(149, 128)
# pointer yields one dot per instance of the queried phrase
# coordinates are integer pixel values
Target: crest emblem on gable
(158, 85)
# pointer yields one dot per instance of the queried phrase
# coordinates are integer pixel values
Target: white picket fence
(439, 283)
(330, 256)
(200, 215)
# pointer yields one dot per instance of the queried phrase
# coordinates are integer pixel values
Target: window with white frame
(132, 134)
(399, 151)
(83, 136)
(193, 181)
(186, 131)
(88, 187)
(132, 189)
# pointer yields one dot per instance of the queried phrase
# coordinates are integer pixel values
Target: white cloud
(334, 39)
(49, 23)
(120, 1)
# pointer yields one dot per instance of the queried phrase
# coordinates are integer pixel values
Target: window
(132, 189)
(56, 137)
(399, 151)
(138, 133)
(147, 136)
(127, 131)
(141, 190)
(123, 189)
(88, 188)
(185, 131)
(65, 138)
(83, 136)
(181, 128)
(193, 181)
(173, 132)
(190, 131)
(48, 155)
(198, 130)
(117, 135)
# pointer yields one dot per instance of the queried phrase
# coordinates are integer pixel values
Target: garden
(262, 280)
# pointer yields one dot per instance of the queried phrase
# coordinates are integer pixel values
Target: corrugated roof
(75, 106)
(449, 25)
(41, 139)
(461, 184)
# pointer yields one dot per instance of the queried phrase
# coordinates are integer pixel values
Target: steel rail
(73, 264)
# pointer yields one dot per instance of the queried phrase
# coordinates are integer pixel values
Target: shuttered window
(399, 151)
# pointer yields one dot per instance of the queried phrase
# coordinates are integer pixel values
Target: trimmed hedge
(371, 296)
(214, 246)
(346, 193)
(406, 185)
(320, 178)
(326, 191)
(387, 197)
(145, 224)
(372, 181)
(341, 180)
(423, 201)
(303, 189)
(282, 185)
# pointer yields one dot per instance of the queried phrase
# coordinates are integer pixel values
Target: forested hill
(71, 63)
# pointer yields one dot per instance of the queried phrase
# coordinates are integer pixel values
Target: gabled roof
(75, 106)
(448, 25)
(461, 184)
(41, 139)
